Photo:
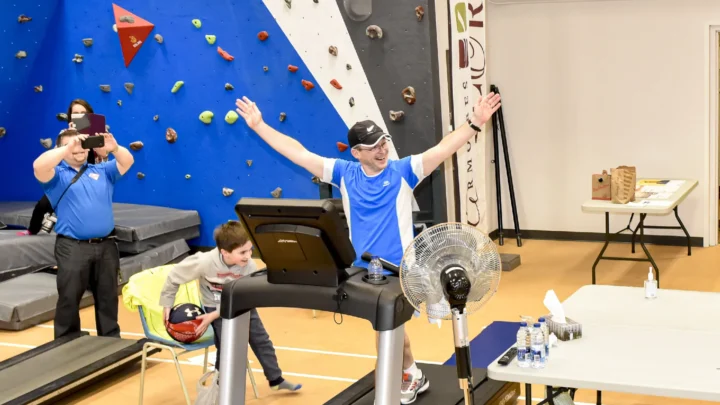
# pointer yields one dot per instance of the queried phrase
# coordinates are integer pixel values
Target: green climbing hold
(177, 86)
(196, 23)
(231, 117)
(206, 117)
(210, 39)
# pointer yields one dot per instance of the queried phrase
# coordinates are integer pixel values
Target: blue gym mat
(490, 344)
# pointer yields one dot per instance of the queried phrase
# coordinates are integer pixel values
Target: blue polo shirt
(86, 209)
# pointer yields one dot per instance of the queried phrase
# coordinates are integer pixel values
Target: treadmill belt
(52, 365)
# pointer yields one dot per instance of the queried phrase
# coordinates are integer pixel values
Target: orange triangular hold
(132, 31)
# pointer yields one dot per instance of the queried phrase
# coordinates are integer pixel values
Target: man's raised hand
(484, 108)
(249, 111)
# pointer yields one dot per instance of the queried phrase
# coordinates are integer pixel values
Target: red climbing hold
(132, 35)
(263, 35)
(307, 84)
(335, 84)
(342, 147)
(292, 68)
(225, 55)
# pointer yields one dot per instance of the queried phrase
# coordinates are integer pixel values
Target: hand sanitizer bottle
(650, 286)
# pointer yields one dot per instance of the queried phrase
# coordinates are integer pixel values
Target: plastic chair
(157, 342)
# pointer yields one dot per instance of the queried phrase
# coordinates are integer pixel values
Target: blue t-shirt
(378, 208)
(86, 209)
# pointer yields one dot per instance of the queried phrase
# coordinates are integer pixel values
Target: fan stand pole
(462, 354)
(498, 184)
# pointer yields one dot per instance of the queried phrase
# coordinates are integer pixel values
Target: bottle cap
(537, 325)
(541, 319)
(523, 323)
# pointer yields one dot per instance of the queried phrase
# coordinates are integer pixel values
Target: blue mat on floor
(490, 344)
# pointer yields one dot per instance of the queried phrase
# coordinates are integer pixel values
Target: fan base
(383, 280)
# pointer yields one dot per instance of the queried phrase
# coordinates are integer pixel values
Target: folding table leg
(682, 226)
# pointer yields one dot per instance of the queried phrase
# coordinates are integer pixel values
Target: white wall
(588, 86)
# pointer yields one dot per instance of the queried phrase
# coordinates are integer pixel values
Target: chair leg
(314, 314)
(205, 362)
(142, 372)
(252, 379)
(180, 375)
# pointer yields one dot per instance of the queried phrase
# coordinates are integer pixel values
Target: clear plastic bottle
(537, 347)
(650, 286)
(375, 269)
(546, 336)
(523, 349)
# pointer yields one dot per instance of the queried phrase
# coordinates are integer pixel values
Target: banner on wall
(467, 41)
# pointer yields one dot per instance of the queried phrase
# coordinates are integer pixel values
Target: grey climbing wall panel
(405, 56)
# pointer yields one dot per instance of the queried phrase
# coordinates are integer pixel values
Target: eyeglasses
(382, 145)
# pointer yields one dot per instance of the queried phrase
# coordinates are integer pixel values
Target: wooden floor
(326, 357)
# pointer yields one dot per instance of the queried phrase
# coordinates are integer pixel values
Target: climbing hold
(210, 39)
(333, 50)
(38, 89)
(119, 103)
(408, 94)
(196, 23)
(78, 58)
(397, 115)
(141, 175)
(265, 68)
(159, 38)
(231, 117)
(347, 66)
(46, 143)
(316, 180)
(129, 87)
(352, 101)
(22, 18)
(282, 116)
(155, 118)
(316, 1)
(61, 117)
(277, 193)
(249, 162)
(206, 116)
(88, 41)
(229, 86)
(115, 27)
(2, 132)
(127, 18)
(187, 177)
(177, 86)
(105, 88)
(373, 31)
(21, 55)
(227, 192)
(137, 145)
(419, 12)
(171, 135)
(307, 84)
(292, 68)
(225, 55)
(336, 84)
(262, 35)
(288, 3)
(342, 147)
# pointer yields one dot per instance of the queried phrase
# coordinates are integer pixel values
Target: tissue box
(570, 330)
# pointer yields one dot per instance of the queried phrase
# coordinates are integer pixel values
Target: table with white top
(652, 197)
(630, 344)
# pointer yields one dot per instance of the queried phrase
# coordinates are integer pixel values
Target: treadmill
(306, 247)
(63, 366)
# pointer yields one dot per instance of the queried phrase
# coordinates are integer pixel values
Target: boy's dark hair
(68, 132)
(230, 236)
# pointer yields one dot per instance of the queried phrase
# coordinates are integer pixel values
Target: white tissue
(553, 340)
(552, 303)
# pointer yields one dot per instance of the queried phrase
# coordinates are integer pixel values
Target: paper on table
(552, 303)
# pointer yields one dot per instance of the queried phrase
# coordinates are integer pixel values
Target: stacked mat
(147, 236)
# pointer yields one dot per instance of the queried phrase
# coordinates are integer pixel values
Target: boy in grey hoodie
(229, 260)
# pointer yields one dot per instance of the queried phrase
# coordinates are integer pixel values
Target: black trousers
(83, 266)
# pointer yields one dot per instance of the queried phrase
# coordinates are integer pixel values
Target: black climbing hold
(88, 41)
(352, 101)
(2, 132)
(282, 116)
(61, 117)
(228, 86)
(347, 66)
(141, 175)
(333, 50)
(119, 103)
(105, 88)
(316, 179)
(288, 3)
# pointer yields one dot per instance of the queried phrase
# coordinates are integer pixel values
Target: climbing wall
(172, 96)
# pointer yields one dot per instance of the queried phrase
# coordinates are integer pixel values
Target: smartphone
(89, 124)
(94, 141)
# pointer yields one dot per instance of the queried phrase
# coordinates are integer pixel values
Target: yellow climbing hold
(196, 23)
(206, 116)
(177, 86)
(231, 117)
(210, 39)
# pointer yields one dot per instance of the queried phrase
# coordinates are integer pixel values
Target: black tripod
(498, 124)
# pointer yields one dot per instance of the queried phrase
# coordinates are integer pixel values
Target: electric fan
(449, 271)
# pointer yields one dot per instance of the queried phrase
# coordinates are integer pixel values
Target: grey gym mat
(59, 362)
(20, 251)
(152, 258)
(16, 213)
(139, 246)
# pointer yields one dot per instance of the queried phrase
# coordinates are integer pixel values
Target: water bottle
(546, 336)
(523, 350)
(375, 269)
(537, 347)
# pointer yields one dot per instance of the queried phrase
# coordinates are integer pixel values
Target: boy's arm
(483, 110)
(283, 144)
(181, 273)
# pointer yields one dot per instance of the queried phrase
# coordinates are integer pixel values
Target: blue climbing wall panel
(213, 155)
